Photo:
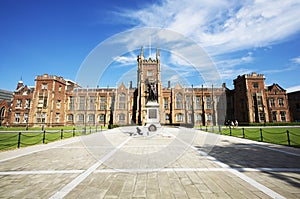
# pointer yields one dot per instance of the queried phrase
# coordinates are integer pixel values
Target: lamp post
(203, 111)
(193, 118)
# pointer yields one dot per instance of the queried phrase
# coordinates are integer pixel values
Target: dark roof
(275, 85)
(5, 95)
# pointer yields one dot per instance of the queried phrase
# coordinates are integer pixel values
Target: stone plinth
(152, 119)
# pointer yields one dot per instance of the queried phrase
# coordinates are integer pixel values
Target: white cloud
(224, 26)
(296, 60)
(229, 63)
(125, 60)
(293, 89)
(278, 70)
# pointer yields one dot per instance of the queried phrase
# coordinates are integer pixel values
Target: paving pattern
(174, 163)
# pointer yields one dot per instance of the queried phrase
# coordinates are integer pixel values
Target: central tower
(148, 83)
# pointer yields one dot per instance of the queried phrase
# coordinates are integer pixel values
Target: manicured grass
(272, 135)
(2, 128)
(9, 139)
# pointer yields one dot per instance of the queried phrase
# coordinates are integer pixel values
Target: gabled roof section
(24, 90)
(275, 87)
(178, 86)
(122, 88)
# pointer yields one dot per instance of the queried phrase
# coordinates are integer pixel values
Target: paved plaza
(171, 163)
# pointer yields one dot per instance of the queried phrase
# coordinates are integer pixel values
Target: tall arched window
(91, 117)
(188, 102)
(179, 117)
(2, 112)
(122, 101)
(121, 117)
(101, 117)
(178, 101)
(80, 118)
(70, 117)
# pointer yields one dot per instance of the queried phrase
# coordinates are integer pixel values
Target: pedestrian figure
(236, 123)
(138, 130)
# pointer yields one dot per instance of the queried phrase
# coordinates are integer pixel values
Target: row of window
(18, 118)
(179, 117)
(259, 101)
(43, 100)
(19, 103)
(45, 87)
(121, 117)
(40, 117)
(90, 102)
(91, 117)
(282, 115)
(280, 102)
(188, 102)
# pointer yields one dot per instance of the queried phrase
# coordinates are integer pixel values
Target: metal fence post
(19, 140)
(288, 137)
(61, 133)
(44, 137)
(261, 135)
(230, 133)
(73, 132)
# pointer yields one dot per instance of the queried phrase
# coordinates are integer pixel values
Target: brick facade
(253, 102)
(294, 105)
(21, 105)
(55, 101)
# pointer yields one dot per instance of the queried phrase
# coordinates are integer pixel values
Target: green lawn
(9, 137)
(3, 128)
(271, 135)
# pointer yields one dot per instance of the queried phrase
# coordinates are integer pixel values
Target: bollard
(288, 137)
(44, 137)
(73, 132)
(61, 134)
(261, 135)
(206, 128)
(230, 133)
(19, 140)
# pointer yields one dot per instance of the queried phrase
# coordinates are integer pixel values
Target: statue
(152, 92)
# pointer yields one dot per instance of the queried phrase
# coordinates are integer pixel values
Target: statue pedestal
(152, 119)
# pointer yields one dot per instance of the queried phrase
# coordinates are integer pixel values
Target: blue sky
(55, 37)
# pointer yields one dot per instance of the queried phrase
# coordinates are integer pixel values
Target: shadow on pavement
(252, 156)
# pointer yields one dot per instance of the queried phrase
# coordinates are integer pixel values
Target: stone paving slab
(113, 164)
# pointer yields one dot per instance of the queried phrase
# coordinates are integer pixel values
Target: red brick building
(294, 104)
(253, 102)
(21, 105)
(55, 101)
(5, 103)
(49, 101)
